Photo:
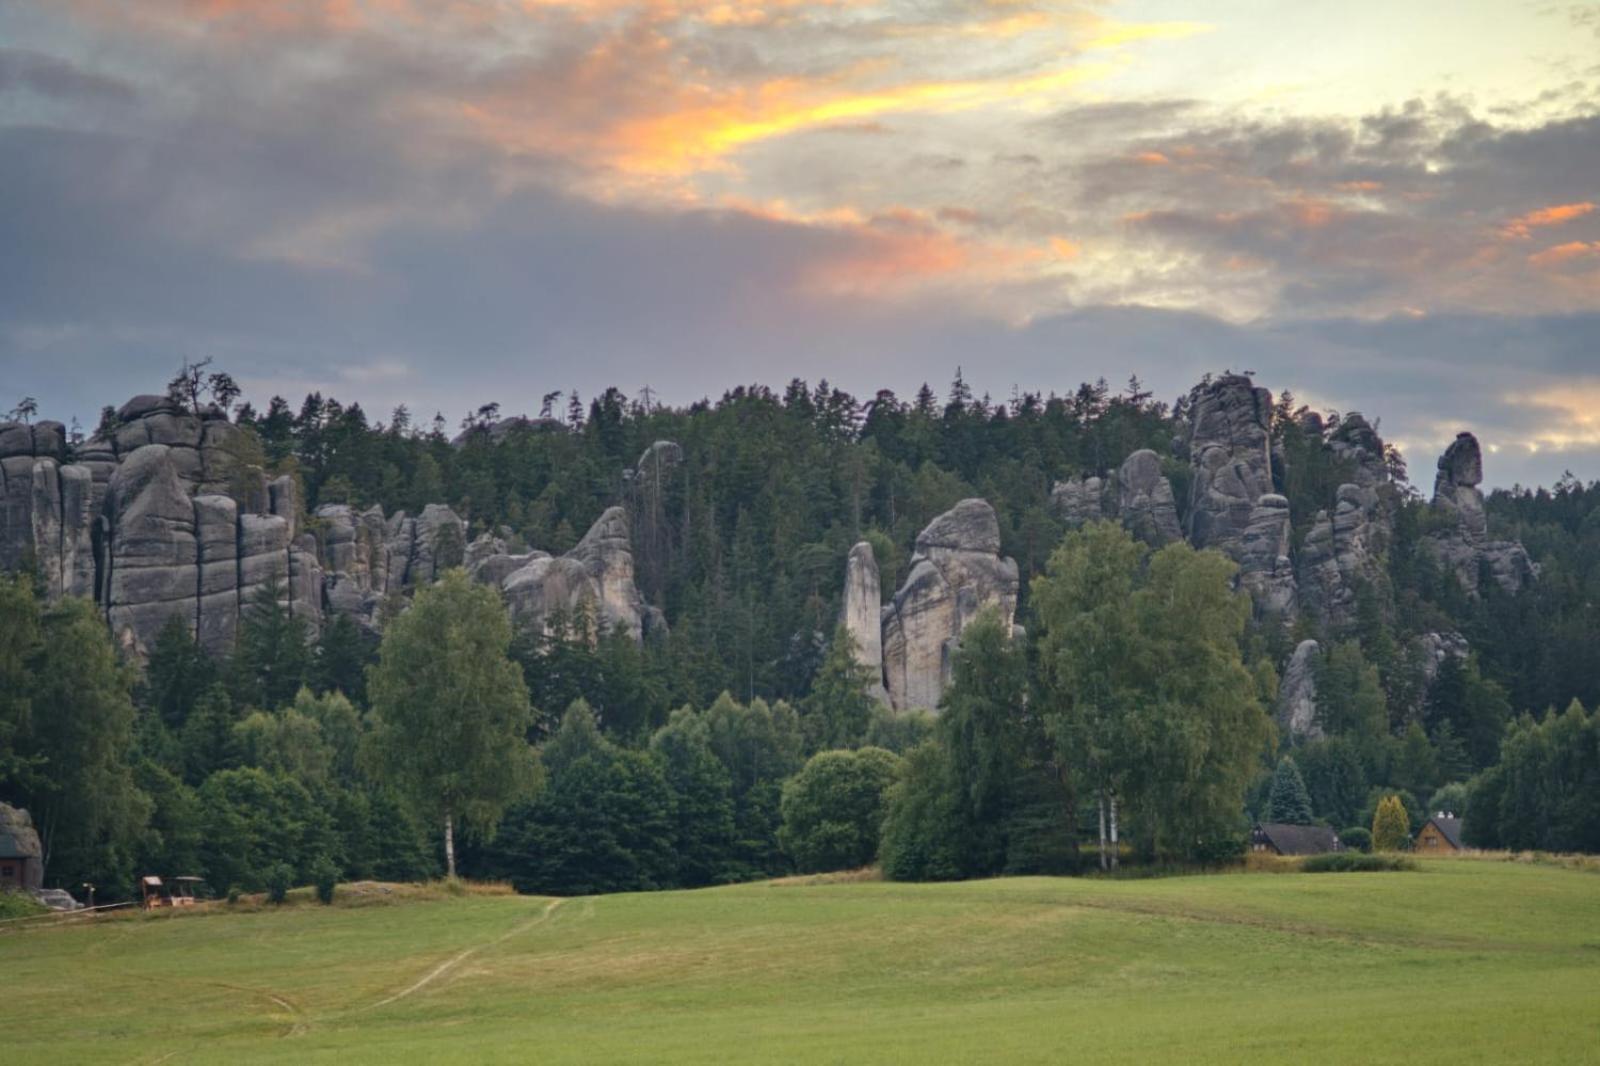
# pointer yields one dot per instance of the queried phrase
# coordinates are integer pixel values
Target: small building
(1276, 838)
(1441, 835)
(21, 866)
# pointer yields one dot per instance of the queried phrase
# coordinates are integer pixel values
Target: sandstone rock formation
(863, 613)
(956, 572)
(595, 576)
(1463, 546)
(1138, 493)
(1144, 500)
(1297, 695)
(164, 517)
(1078, 501)
(1232, 505)
(1343, 552)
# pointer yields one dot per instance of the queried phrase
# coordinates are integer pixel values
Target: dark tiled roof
(1297, 839)
(1450, 828)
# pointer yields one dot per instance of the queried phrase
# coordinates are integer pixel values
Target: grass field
(1458, 962)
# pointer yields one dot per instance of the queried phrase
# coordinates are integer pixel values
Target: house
(21, 869)
(1275, 838)
(1440, 836)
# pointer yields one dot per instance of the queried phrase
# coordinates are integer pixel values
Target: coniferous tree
(1289, 802)
(838, 709)
(1391, 826)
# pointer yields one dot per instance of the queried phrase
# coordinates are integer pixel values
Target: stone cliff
(167, 516)
(956, 572)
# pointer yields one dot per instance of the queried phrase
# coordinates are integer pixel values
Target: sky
(1385, 207)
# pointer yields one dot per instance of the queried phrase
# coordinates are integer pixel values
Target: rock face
(1232, 505)
(595, 576)
(18, 835)
(956, 572)
(163, 518)
(1463, 546)
(1078, 501)
(1145, 501)
(1343, 552)
(863, 613)
(1297, 695)
(1138, 493)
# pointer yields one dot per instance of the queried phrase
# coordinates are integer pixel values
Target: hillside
(1426, 966)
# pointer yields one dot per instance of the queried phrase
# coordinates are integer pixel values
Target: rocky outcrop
(1297, 695)
(863, 614)
(1138, 493)
(1342, 553)
(1355, 441)
(1232, 505)
(1145, 502)
(1463, 546)
(956, 572)
(20, 843)
(596, 578)
(1434, 649)
(1078, 501)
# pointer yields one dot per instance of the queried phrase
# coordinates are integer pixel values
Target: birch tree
(450, 708)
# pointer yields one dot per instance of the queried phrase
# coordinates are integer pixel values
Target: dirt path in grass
(456, 960)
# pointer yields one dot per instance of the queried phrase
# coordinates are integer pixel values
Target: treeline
(227, 767)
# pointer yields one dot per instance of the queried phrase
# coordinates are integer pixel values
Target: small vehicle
(180, 892)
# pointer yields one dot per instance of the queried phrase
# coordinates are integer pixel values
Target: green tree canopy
(450, 709)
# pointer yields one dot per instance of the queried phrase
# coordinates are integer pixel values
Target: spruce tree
(1289, 803)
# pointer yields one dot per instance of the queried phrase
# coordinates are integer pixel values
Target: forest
(742, 743)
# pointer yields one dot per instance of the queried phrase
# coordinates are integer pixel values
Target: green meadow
(1457, 961)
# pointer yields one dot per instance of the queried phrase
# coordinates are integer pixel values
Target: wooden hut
(1441, 835)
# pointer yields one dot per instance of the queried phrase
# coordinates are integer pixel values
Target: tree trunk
(1113, 830)
(449, 847)
(1102, 829)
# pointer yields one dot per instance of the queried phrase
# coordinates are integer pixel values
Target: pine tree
(1289, 803)
(838, 710)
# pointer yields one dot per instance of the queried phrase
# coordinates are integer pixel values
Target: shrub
(1356, 838)
(279, 878)
(234, 893)
(833, 809)
(1339, 862)
(325, 876)
(1391, 826)
(1220, 850)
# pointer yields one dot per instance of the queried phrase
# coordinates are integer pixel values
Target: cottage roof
(1449, 827)
(1298, 839)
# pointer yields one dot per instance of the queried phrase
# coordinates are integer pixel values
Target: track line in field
(456, 960)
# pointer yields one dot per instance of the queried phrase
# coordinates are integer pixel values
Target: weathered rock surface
(863, 613)
(1232, 505)
(1356, 441)
(16, 830)
(596, 576)
(1435, 649)
(1078, 501)
(1463, 546)
(1297, 694)
(162, 519)
(956, 572)
(1342, 553)
(1265, 569)
(1145, 502)
(1138, 493)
